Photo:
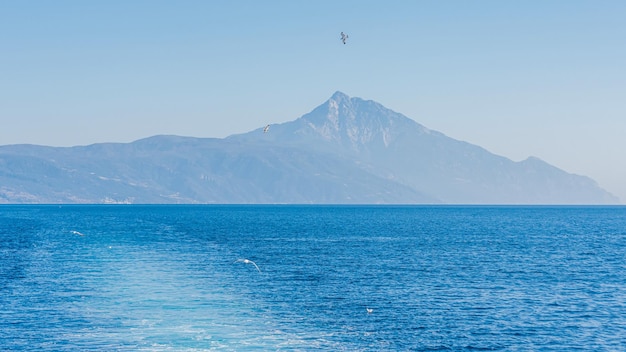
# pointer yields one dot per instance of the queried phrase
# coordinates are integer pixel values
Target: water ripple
(164, 278)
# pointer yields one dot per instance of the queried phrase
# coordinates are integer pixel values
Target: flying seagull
(266, 128)
(248, 261)
(77, 233)
(344, 37)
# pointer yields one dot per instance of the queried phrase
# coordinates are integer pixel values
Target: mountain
(347, 150)
(395, 147)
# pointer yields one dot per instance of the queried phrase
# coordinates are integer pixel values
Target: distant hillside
(347, 150)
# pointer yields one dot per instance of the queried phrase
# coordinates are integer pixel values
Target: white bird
(369, 310)
(77, 233)
(248, 261)
(344, 37)
(267, 128)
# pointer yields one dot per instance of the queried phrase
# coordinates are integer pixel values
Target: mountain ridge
(346, 150)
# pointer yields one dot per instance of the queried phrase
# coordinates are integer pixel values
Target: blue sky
(519, 78)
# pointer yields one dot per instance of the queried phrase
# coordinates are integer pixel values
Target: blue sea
(335, 278)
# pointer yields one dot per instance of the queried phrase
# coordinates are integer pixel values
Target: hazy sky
(519, 78)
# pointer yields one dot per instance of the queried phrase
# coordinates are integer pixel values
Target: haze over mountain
(347, 150)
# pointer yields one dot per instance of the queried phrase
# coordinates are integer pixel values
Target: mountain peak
(354, 123)
(340, 102)
(339, 96)
(348, 122)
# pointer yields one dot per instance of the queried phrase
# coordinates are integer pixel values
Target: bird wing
(256, 266)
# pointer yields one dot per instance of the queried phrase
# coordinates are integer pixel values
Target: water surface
(165, 278)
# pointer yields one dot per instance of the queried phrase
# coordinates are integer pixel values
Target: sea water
(353, 278)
